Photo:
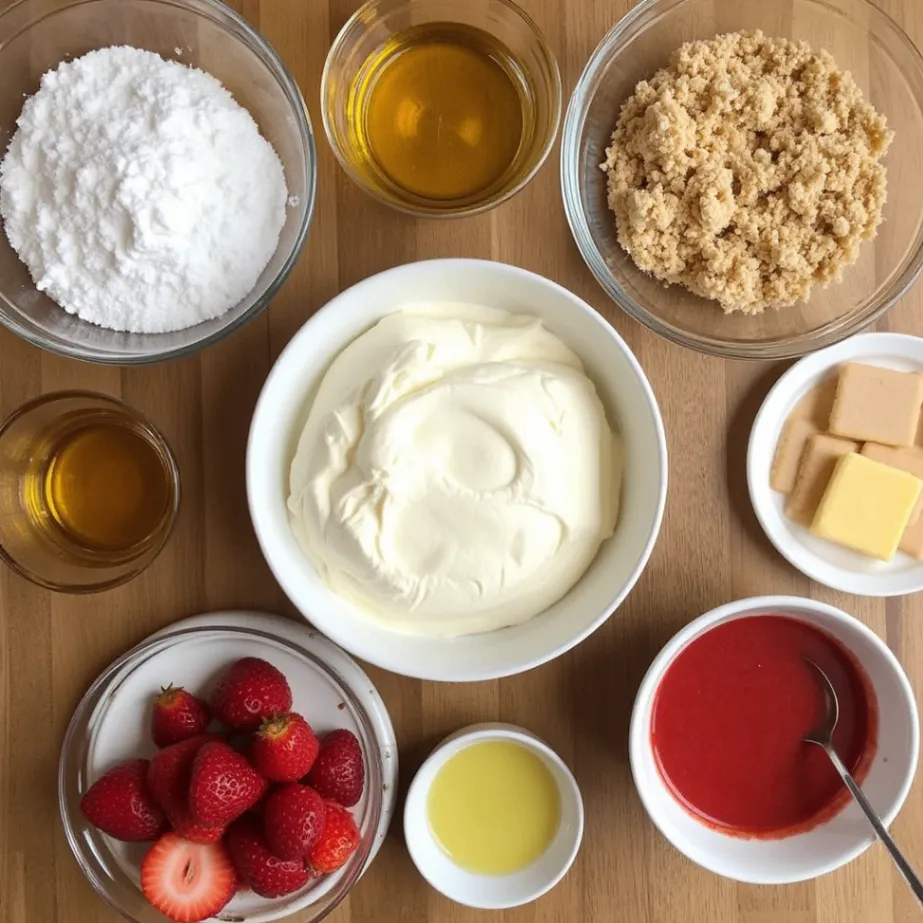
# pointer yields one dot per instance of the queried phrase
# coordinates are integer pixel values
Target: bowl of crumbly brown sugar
(744, 180)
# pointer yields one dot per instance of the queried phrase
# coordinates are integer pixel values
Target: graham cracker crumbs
(747, 170)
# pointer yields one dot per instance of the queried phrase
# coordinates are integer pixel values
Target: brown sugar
(748, 171)
(875, 404)
(817, 464)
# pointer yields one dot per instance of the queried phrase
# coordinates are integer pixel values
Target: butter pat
(877, 405)
(867, 506)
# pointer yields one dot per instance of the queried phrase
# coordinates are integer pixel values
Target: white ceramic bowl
(823, 561)
(623, 388)
(831, 844)
(492, 892)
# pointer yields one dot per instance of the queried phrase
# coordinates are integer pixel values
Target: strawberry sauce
(730, 715)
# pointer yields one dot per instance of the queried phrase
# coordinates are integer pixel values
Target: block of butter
(867, 506)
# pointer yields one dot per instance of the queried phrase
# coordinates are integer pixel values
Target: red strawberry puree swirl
(730, 716)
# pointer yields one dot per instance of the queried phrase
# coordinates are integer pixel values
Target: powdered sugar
(139, 194)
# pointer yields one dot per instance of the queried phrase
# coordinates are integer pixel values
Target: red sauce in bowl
(730, 715)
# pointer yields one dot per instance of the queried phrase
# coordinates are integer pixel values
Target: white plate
(195, 663)
(823, 561)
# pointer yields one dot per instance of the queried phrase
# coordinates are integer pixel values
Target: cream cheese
(456, 473)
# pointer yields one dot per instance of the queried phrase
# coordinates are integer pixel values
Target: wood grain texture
(710, 551)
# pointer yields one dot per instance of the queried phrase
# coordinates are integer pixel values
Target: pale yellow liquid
(494, 808)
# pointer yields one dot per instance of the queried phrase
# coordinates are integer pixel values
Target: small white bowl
(831, 844)
(826, 562)
(622, 386)
(492, 892)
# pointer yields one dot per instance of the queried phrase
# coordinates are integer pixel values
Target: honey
(99, 485)
(440, 113)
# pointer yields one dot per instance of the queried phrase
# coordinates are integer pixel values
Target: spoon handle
(902, 864)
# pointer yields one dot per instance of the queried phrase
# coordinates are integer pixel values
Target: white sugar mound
(139, 194)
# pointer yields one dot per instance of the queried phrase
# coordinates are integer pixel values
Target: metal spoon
(822, 735)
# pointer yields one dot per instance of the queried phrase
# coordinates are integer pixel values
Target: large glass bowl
(36, 35)
(110, 724)
(889, 70)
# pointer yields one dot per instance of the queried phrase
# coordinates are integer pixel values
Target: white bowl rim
(472, 673)
(460, 740)
(638, 733)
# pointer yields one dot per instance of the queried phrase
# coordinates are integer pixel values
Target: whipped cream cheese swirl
(456, 473)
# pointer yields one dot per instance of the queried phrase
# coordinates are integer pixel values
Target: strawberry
(187, 881)
(119, 803)
(266, 874)
(250, 691)
(294, 819)
(223, 785)
(177, 715)
(338, 841)
(168, 778)
(284, 748)
(338, 772)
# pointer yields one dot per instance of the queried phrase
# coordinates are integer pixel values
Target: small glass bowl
(889, 70)
(110, 724)
(35, 36)
(34, 553)
(375, 23)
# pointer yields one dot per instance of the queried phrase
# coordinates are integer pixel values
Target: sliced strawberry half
(187, 881)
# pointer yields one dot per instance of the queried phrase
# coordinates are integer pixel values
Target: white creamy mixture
(456, 473)
(139, 194)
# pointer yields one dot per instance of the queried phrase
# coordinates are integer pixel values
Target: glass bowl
(29, 544)
(36, 35)
(111, 724)
(370, 28)
(888, 69)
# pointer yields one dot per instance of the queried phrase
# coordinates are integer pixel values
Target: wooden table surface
(711, 550)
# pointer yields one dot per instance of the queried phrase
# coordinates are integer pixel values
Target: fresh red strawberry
(250, 691)
(293, 819)
(338, 772)
(188, 829)
(223, 785)
(177, 715)
(338, 841)
(267, 875)
(284, 748)
(119, 803)
(187, 881)
(168, 778)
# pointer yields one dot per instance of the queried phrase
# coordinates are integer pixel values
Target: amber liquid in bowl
(97, 484)
(89, 492)
(439, 114)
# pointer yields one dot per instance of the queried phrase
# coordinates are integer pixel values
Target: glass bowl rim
(161, 640)
(144, 560)
(780, 348)
(283, 76)
(465, 211)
